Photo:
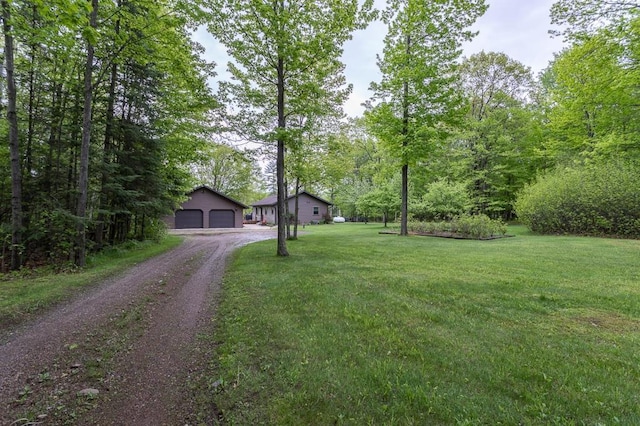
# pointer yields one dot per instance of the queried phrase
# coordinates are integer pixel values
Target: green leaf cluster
(383, 201)
(591, 92)
(418, 99)
(443, 201)
(285, 66)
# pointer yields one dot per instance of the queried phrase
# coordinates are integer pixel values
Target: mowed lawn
(362, 328)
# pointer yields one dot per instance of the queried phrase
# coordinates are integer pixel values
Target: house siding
(306, 204)
(305, 209)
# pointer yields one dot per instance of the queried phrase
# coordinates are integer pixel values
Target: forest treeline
(110, 118)
(149, 106)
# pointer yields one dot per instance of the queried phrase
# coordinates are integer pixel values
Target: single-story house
(207, 208)
(311, 208)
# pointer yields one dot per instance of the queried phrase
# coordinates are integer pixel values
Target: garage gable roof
(220, 194)
(272, 200)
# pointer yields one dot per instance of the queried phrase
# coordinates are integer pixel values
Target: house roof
(272, 200)
(220, 194)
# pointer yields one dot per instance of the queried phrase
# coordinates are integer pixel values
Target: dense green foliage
(592, 97)
(149, 113)
(602, 199)
(495, 151)
(443, 200)
(366, 328)
(417, 100)
(383, 201)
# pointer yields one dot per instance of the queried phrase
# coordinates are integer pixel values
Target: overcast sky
(518, 28)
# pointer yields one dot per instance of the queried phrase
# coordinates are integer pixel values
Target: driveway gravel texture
(127, 351)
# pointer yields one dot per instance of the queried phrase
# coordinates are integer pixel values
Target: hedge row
(598, 200)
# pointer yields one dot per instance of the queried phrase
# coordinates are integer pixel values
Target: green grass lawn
(362, 328)
(28, 292)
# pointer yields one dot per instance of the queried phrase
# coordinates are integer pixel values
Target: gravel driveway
(124, 352)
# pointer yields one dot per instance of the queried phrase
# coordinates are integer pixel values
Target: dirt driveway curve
(132, 338)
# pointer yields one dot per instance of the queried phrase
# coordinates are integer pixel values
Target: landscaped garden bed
(466, 227)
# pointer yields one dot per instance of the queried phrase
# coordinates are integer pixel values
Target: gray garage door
(188, 219)
(222, 219)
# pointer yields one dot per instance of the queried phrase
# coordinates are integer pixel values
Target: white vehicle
(338, 219)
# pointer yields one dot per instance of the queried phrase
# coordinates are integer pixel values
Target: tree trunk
(14, 151)
(296, 210)
(404, 214)
(106, 155)
(282, 238)
(287, 214)
(83, 175)
(405, 165)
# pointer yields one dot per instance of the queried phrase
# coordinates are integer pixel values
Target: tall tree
(418, 98)
(499, 147)
(286, 68)
(83, 176)
(14, 149)
(228, 170)
(592, 90)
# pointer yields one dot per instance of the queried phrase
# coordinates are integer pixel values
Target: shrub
(470, 226)
(52, 237)
(443, 201)
(478, 226)
(5, 247)
(602, 199)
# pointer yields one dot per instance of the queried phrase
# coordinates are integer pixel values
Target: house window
(316, 210)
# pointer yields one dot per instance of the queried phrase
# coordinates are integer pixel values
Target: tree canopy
(138, 77)
(417, 101)
(286, 70)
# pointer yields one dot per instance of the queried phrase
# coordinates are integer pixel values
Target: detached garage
(207, 208)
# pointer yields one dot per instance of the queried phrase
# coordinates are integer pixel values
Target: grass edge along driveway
(361, 328)
(27, 293)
